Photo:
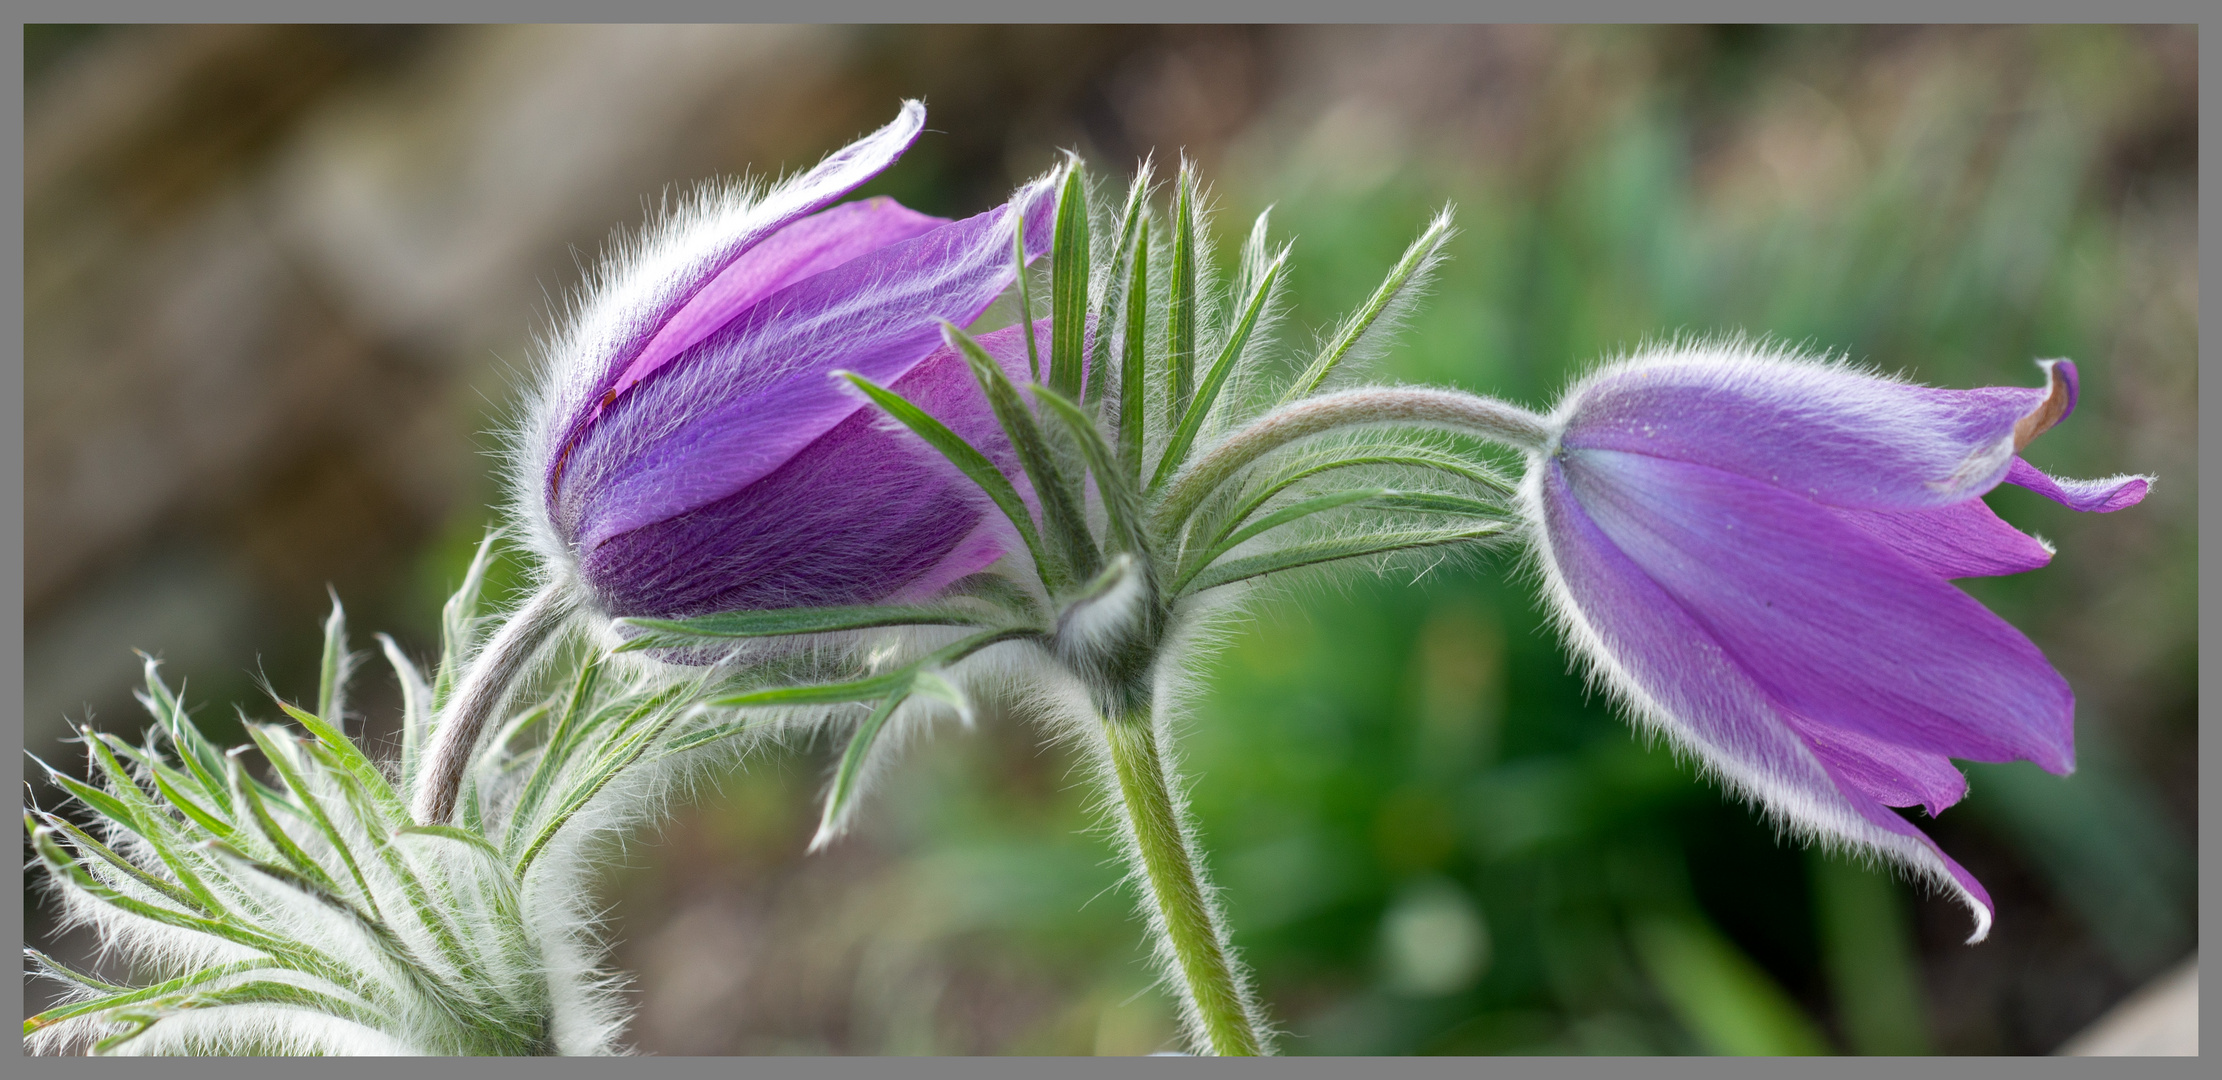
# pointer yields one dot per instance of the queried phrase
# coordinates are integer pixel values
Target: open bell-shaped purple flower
(1756, 551)
(691, 450)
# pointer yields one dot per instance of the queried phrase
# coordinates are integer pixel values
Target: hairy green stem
(1221, 1003)
(506, 656)
(1424, 406)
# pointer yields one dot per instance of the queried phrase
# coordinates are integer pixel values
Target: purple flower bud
(691, 451)
(1756, 553)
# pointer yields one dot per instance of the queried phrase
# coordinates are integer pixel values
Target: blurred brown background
(281, 281)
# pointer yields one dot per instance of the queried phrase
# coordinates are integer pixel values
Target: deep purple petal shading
(2090, 496)
(1835, 626)
(1832, 434)
(864, 513)
(738, 405)
(1682, 683)
(1962, 540)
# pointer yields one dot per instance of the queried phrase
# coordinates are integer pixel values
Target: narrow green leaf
(613, 762)
(558, 748)
(1134, 361)
(1026, 304)
(125, 995)
(382, 936)
(67, 973)
(245, 797)
(416, 705)
(200, 759)
(1068, 289)
(1290, 558)
(1180, 326)
(458, 622)
(728, 625)
(1192, 422)
(509, 733)
(149, 822)
(1108, 307)
(1410, 271)
(974, 464)
(87, 843)
(1728, 1002)
(430, 911)
(1375, 498)
(351, 758)
(96, 800)
(1406, 452)
(450, 832)
(259, 992)
(876, 686)
(1062, 519)
(1303, 508)
(332, 672)
(166, 782)
(60, 865)
(1122, 504)
(864, 689)
(933, 684)
(845, 776)
(268, 740)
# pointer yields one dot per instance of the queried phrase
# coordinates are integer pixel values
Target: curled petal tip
(1982, 913)
(2088, 496)
(2058, 402)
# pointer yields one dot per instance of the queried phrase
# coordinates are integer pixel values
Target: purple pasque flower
(691, 451)
(1755, 551)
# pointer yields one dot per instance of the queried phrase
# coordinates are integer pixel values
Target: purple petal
(739, 404)
(2090, 496)
(862, 514)
(1961, 540)
(1832, 434)
(1892, 775)
(1833, 625)
(673, 269)
(1681, 682)
(803, 249)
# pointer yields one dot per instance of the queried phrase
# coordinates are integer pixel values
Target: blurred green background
(280, 281)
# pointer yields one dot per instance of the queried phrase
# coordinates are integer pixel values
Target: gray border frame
(11, 505)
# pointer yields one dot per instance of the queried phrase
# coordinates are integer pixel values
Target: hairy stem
(1471, 414)
(477, 698)
(1221, 1004)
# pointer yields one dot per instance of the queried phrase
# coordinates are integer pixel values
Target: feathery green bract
(308, 914)
(1192, 422)
(1406, 278)
(1353, 547)
(1132, 243)
(1133, 363)
(967, 458)
(681, 633)
(896, 686)
(1062, 519)
(1068, 285)
(1180, 316)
